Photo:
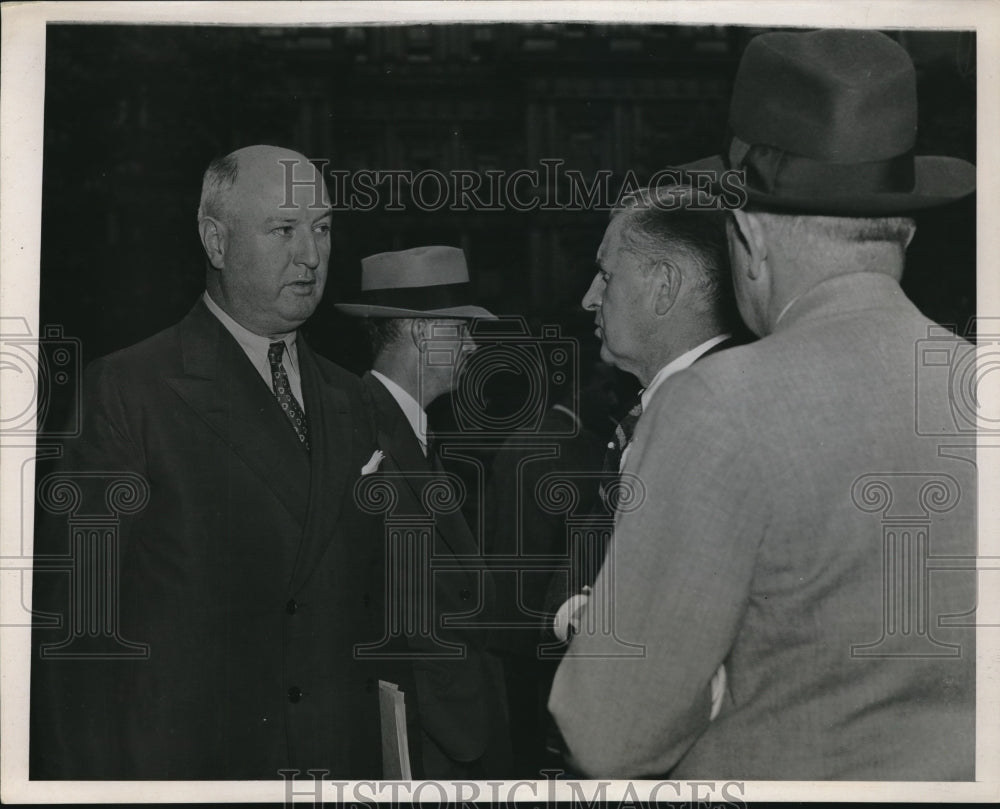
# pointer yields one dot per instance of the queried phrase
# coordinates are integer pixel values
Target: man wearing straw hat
(417, 305)
(794, 506)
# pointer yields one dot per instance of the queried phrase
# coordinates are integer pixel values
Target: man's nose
(308, 252)
(593, 297)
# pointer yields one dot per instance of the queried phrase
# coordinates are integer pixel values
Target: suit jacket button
(465, 594)
(291, 606)
(294, 694)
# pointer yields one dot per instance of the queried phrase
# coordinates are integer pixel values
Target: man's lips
(302, 287)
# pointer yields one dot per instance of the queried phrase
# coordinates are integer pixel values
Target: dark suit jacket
(460, 705)
(520, 522)
(249, 573)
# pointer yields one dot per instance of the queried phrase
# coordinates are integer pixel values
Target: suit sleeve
(676, 581)
(71, 699)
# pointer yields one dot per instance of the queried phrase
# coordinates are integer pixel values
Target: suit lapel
(331, 436)
(398, 441)
(221, 385)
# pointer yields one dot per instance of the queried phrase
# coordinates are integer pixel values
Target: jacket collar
(220, 383)
(840, 295)
(398, 441)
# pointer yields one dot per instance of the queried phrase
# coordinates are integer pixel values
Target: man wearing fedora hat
(416, 306)
(787, 525)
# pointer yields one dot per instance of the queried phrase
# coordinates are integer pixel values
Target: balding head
(264, 220)
(258, 166)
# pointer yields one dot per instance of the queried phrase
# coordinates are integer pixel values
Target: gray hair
(836, 241)
(843, 229)
(219, 179)
(663, 225)
(382, 332)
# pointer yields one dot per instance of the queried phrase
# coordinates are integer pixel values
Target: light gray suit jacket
(790, 506)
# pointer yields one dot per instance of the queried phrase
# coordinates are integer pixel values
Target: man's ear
(418, 332)
(749, 232)
(667, 281)
(213, 239)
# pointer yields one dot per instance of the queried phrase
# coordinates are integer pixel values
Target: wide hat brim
(468, 312)
(938, 180)
(825, 122)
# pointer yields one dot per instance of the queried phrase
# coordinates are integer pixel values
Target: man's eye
(284, 230)
(323, 227)
(605, 277)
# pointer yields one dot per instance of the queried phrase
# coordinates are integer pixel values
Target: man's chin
(300, 308)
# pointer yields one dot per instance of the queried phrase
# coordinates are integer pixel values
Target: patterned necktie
(283, 392)
(613, 456)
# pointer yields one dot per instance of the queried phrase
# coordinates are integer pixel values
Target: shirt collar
(256, 344)
(411, 408)
(685, 360)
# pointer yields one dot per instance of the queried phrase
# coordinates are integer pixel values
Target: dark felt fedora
(825, 122)
(420, 282)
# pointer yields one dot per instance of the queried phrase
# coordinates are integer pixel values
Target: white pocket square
(373, 463)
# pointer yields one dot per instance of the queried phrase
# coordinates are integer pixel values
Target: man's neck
(405, 374)
(671, 353)
(222, 304)
(679, 363)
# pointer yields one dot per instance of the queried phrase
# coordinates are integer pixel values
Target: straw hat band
(430, 281)
(439, 296)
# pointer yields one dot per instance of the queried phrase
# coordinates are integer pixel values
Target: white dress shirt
(255, 347)
(411, 408)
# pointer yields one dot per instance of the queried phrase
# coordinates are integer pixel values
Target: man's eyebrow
(291, 220)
